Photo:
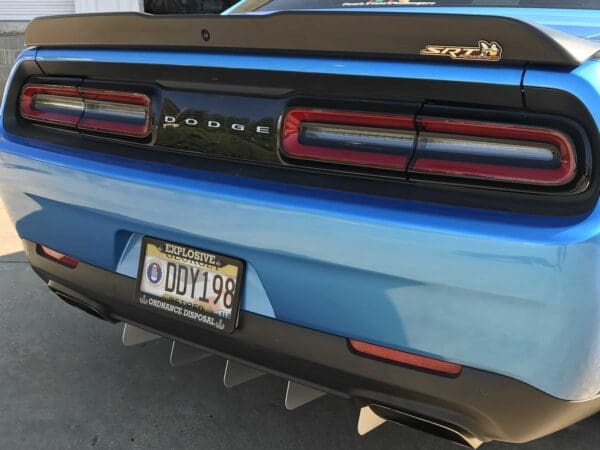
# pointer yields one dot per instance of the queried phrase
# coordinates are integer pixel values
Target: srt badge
(485, 51)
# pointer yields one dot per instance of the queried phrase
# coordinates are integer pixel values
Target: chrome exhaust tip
(373, 416)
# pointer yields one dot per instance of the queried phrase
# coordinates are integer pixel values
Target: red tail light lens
(409, 359)
(113, 112)
(58, 257)
(451, 148)
(53, 104)
(495, 152)
(355, 138)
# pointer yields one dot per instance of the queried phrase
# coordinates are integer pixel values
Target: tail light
(494, 152)
(53, 104)
(408, 359)
(354, 138)
(113, 112)
(446, 148)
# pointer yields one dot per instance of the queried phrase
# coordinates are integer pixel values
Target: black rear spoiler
(438, 37)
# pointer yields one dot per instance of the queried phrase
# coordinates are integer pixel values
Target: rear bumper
(486, 405)
(510, 294)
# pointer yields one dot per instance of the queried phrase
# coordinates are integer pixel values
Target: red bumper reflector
(354, 138)
(57, 256)
(494, 152)
(112, 112)
(409, 359)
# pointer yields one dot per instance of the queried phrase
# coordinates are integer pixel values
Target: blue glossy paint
(513, 294)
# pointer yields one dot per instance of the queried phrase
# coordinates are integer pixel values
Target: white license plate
(194, 284)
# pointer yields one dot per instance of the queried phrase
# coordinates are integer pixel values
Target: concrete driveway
(66, 382)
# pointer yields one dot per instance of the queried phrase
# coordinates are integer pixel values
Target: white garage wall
(25, 10)
(28, 9)
(88, 6)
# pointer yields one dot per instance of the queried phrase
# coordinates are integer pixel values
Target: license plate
(193, 284)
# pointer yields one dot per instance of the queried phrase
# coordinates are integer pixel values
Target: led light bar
(409, 359)
(494, 152)
(353, 138)
(122, 113)
(53, 104)
(117, 114)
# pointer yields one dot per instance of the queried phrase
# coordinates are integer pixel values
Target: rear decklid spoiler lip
(381, 35)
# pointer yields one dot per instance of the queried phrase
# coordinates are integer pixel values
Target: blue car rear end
(460, 305)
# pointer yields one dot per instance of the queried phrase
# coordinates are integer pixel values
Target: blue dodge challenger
(395, 202)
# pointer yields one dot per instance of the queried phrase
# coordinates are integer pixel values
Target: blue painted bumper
(512, 294)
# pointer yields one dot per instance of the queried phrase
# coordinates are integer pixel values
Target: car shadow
(17, 257)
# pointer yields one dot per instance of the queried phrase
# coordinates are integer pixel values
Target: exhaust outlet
(446, 431)
(79, 301)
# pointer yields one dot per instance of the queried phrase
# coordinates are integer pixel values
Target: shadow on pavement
(18, 257)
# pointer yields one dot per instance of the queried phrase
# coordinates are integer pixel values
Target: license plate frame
(155, 269)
